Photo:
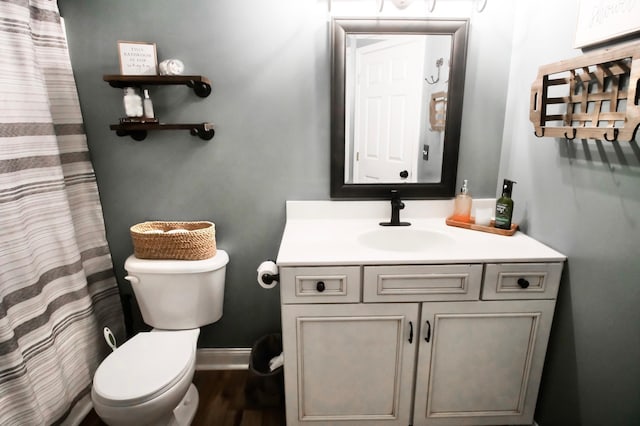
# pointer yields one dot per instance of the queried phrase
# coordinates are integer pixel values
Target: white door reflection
(390, 82)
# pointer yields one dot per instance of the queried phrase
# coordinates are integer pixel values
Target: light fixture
(480, 5)
(430, 4)
(401, 4)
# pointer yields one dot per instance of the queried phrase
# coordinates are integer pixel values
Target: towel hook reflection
(439, 63)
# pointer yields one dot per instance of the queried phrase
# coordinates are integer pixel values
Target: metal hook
(535, 132)
(573, 134)
(481, 5)
(439, 63)
(615, 135)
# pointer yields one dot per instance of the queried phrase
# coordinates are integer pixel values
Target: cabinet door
(480, 363)
(349, 362)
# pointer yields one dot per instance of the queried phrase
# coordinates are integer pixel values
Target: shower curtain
(57, 288)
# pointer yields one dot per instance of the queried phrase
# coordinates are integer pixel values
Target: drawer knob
(523, 283)
(320, 286)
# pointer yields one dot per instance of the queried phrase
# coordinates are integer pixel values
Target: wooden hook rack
(591, 96)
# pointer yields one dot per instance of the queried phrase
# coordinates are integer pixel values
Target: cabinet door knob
(320, 286)
(523, 283)
(427, 336)
(410, 332)
(404, 174)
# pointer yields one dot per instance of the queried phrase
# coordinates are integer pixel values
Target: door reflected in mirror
(397, 89)
(395, 101)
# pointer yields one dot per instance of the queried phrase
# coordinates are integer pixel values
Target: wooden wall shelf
(138, 131)
(592, 96)
(200, 85)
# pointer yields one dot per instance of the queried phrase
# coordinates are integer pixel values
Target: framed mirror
(396, 106)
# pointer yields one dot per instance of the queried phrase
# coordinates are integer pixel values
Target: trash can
(265, 388)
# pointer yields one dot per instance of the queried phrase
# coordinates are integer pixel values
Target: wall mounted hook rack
(591, 96)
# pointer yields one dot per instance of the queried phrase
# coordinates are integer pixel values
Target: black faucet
(396, 206)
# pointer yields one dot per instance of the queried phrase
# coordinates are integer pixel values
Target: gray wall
(583, 199)
(269, 65)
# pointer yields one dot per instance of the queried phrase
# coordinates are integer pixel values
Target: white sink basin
(404, 238)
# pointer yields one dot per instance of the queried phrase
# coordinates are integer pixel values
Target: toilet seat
(144, 367)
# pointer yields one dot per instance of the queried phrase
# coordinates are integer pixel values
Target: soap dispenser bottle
(504, 206)
(462, 204)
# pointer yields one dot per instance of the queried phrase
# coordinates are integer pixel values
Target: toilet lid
(144, 367)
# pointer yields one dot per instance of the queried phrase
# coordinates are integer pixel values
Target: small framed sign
(137, 58)
(601, 21)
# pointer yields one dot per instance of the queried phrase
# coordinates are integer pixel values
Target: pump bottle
(462, 204)
(148, 105)
(504, 206)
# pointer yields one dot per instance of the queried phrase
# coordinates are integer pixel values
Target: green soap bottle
(504, 206)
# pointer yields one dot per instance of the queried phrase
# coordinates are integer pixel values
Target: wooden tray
(490, 229)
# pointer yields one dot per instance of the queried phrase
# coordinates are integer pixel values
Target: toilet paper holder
(270, 278)
(268, 273)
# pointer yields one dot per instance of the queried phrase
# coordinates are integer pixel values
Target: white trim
(223, 358)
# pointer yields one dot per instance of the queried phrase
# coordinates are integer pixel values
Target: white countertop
(331, 233)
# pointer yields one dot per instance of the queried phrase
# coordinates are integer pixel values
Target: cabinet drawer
(421, 283)
(320, 284)
(521, 281)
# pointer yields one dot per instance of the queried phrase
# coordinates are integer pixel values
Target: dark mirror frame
(458, 29)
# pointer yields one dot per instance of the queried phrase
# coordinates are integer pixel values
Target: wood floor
(230, 398)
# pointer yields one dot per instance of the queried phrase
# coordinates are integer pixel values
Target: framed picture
(137, 58)
(601, 21)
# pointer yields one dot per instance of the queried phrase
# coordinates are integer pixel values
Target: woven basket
(196, 244)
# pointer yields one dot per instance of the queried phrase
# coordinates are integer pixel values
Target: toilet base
(185, 411)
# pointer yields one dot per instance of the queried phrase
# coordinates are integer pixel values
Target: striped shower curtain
(57, 288)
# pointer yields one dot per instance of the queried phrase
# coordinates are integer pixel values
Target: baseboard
(222, 358)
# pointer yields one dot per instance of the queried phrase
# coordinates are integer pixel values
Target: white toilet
(147, 380)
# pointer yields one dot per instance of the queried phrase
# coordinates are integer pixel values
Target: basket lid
(168, 266)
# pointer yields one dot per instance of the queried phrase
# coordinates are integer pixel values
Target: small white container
(483, 215)
(171, 67)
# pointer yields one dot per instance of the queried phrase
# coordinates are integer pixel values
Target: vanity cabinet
(446, 344)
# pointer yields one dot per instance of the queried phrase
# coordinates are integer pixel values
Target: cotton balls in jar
(171, 67)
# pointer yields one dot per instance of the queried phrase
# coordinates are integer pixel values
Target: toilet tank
(178, 294)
